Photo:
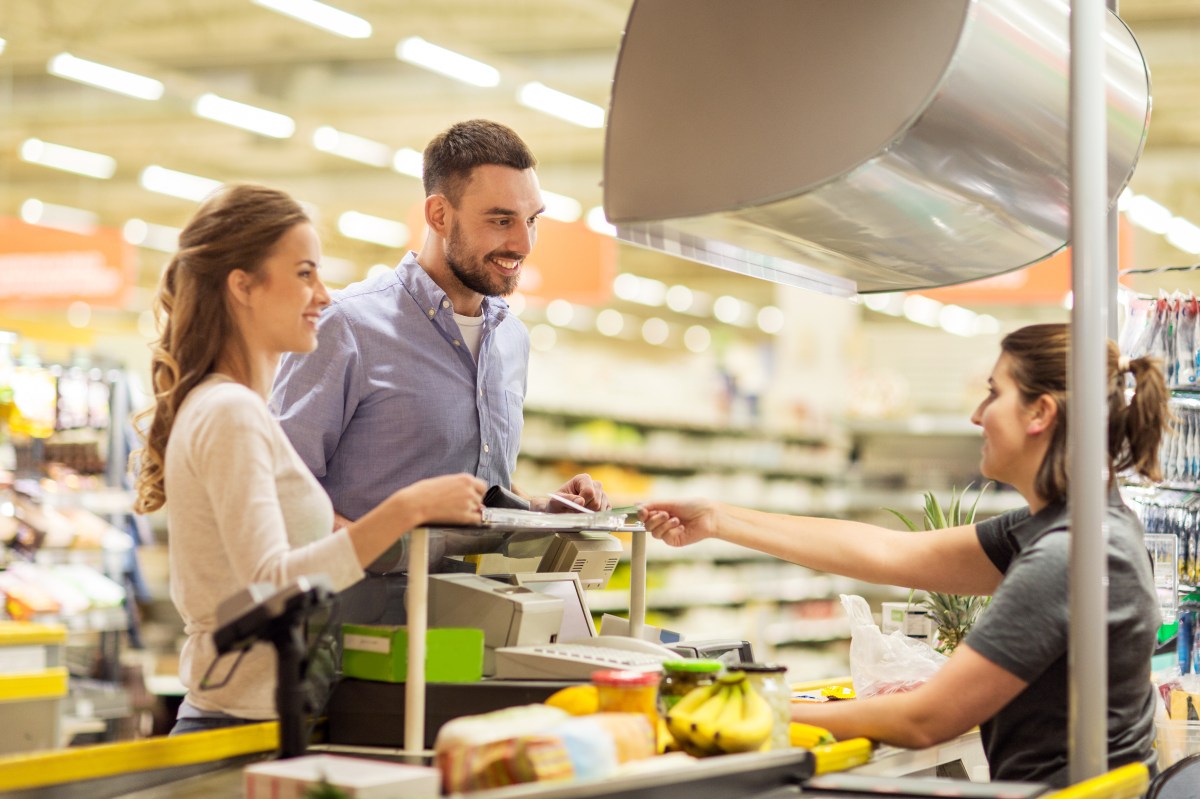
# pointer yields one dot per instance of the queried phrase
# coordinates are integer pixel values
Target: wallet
(501, 497)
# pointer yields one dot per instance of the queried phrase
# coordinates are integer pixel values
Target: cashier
(1010, 675)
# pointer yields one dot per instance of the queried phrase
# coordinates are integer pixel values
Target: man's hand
(581, 489)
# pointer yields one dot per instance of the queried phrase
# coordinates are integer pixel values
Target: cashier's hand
(680, 523)
(583, 490)
(449, 499)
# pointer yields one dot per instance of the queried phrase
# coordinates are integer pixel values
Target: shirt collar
(429, 295)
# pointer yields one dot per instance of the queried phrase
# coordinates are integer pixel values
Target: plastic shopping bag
(885, 664)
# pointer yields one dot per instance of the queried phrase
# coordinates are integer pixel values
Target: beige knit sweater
(241, 508)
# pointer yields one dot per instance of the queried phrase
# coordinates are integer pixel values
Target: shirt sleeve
(993, 537)
(315, 394)
(1024, 628)
(235, 458)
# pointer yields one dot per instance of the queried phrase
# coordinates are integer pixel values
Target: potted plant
(953, 614)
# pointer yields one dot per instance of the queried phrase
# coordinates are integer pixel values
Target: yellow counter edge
(46, 684)
(41, 769)
(1126, 782)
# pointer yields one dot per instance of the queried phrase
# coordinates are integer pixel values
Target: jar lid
(692, 666)
(625, 679)
(760, 668)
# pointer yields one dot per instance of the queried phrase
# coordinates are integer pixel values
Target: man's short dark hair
(456, 151)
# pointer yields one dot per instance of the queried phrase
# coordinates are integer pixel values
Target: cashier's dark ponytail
(236, 228)
(1038, 360)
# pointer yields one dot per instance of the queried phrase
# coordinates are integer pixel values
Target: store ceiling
(243, 51)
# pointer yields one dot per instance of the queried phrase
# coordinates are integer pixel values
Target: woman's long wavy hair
(1038, 356)
(236, 228)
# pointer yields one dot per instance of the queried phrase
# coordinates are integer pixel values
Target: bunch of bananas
(727, 716)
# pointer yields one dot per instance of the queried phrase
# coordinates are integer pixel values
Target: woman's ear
(238, 284)
(1043, 413)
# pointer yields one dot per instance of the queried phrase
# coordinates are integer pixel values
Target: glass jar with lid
(679, 677)
(621, 691)
(769, 680)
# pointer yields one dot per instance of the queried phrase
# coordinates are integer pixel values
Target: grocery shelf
(579, 415)
(650, 464)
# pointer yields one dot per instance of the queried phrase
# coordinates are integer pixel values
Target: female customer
(1010, 677)
(243, 508)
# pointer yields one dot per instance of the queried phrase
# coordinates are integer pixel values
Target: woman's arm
(968, 690)
(949, 561)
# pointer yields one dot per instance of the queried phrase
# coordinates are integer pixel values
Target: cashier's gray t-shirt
(1025, 630)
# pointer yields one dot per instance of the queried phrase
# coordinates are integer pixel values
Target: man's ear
(436, 208)
(1043, 415)
(238, 283)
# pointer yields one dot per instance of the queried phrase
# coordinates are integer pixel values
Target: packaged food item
(770, 681)
(628, 692)
(679, 677)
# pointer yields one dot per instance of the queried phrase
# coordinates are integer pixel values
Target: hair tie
(1122, 364)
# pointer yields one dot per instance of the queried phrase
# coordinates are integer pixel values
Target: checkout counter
(211, 764)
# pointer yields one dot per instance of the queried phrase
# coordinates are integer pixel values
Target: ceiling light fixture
(1144, 212)
(60, 217)
(610, 322)
(374, 229)
(561, 207)
(102, 76)
(597, 221)
(151, 236)
(177, 184)
(697, 338)
(408, 161)
(68, 159)
(1183, 234)
(355, 148)
(2, 44)
(244, 116)
(321, 16)
(416, 50)
(541, 97)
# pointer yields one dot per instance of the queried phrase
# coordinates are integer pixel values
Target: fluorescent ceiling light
(1144, 212)
(770, 319)
(732, 311)
(1184, 235)
(65, 65)
(374, 229)
(679, 298)
(1124, 198)
(542, 338)
(610, 322)
(408, 161)
(655, 331)
(922, 310)
(347, 145)
(560, 313)
(244, 116)
(151, 236)
(697, 338)
(541, 97)
(416, 50)
(597, 221)
(321, 16)
(62, 217)
(177, 184)
(561, 207)
(957, 320)
(68, 159)
(2, 44)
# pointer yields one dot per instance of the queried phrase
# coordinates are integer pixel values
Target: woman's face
(1010, 453)
(287, 300)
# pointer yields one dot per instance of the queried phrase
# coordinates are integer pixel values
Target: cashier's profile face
(493, 229)
(1004, 417)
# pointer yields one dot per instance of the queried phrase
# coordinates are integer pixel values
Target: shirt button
(481, 392)
(457, 343)
(445, 303)
(431, 313)
(486, 448)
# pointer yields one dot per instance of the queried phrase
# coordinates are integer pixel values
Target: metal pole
(637, 584)
(1114, 248)
(1087, 410)
(418, 620)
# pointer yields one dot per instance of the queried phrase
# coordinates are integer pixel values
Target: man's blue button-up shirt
(392, 394)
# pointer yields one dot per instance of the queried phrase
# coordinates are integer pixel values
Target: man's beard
(474, 273)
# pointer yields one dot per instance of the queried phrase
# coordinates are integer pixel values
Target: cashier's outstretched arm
(950, 561)
(968, 690)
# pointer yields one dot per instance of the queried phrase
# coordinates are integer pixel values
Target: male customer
(422, 371)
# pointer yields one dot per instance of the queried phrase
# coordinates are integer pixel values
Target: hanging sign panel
(47, 267)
